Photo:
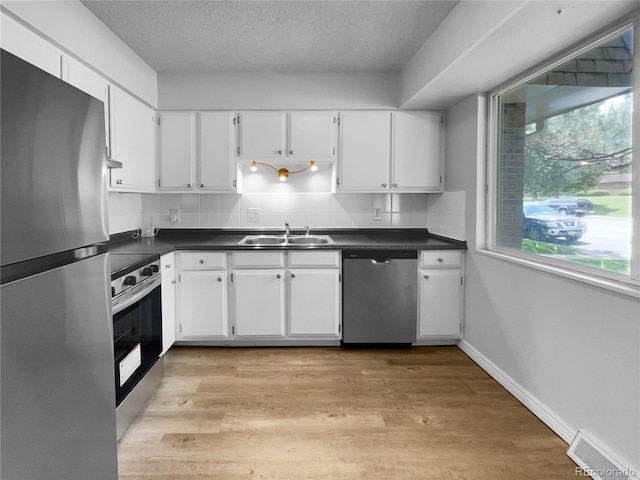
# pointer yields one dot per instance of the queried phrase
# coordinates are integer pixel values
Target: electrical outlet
(377, 214)
(253, 215)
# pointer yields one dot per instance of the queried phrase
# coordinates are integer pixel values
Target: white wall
(276, 91)
(74, 29)
(574, 348)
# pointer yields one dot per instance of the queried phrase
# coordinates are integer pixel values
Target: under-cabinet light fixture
(283, 173)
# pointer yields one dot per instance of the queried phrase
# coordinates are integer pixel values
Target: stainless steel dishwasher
(379, 296)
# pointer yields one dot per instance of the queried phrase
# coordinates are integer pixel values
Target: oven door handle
(137, 296)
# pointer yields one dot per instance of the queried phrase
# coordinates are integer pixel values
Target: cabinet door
(30, 47)
(168, 290)
(314, 302)
(311, 135)
(261, 134)
(216, 160)
(417, 157)
(259, 302)
(440, 303)
(133, 143)
(365, 151)
(202, 304)
(177, 150)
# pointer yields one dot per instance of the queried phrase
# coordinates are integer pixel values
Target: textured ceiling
(273, 36)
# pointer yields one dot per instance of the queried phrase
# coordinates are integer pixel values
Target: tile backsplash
(270, 210)
(441, 213)
(446, 214)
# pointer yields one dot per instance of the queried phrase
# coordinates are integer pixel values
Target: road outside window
(563, 176)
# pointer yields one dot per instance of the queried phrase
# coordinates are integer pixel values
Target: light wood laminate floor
(330, 413)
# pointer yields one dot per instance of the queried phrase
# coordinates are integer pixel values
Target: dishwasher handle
(380, 262)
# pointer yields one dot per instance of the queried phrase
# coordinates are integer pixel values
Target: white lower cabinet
(202, 296)
(259, 303)
(294, 295)
(168, 292)
(440, 295)
(314, 302)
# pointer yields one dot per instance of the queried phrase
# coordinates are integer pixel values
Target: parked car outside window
(570, 206)
(542, 222)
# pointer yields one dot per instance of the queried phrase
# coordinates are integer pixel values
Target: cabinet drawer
(312, 259)
(441, 258)
(167, 264)
(258, 259)
(202, 260)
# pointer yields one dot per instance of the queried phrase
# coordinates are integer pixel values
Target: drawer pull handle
(219, 279)
(441, 260)
(201, 262)
(293, 275)
(426, 277)
(278, 276)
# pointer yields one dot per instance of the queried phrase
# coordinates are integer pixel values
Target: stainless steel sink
(286, 241)
(262, 240)
(311, 240)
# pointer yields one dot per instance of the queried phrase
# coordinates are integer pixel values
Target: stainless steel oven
(136, 307)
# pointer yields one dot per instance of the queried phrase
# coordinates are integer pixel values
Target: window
(561, 164)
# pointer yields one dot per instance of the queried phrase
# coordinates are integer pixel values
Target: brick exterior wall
(510, 175)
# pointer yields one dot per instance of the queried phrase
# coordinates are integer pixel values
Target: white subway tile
(230, 220)
(209, 220)
(230, 203)
(210, 203)
(401, 220)
(190, 203)
(341, 203)
(360, 203)
(341, 220)
(362, 220)
(381, 201)
(321, 220)
(320, 202)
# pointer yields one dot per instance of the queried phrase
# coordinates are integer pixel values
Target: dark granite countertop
(345, 239)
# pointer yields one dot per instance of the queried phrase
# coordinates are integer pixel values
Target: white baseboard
(539, 409)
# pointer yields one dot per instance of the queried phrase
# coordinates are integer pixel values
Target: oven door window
(137, 342)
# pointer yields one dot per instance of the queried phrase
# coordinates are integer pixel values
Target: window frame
(628, 285)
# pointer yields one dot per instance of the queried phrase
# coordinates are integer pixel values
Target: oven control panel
(134, 279)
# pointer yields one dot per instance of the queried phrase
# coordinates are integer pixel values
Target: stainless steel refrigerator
(57, 389)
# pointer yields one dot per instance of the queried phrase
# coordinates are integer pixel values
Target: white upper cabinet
(311, 135)
(391, 152)
(261, 134)
(177, 150)
(217, 170)
(417, 151)
(30, 47)
(365, 151)
(296, 135)
(132, 143)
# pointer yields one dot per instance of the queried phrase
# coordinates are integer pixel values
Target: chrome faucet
(306, 230)
(287, 230)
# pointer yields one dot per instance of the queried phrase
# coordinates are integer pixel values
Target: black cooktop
(123, 263)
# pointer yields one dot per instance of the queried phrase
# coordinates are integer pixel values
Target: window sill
(631, 289)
